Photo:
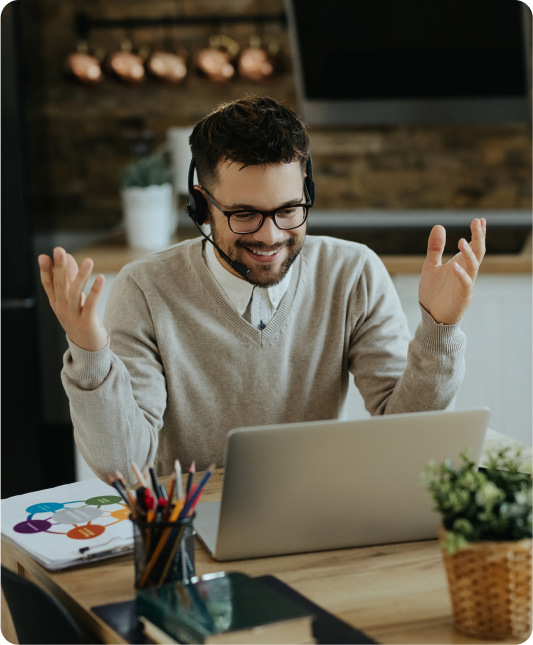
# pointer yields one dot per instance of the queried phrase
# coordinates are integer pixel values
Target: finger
(47, 272)
(76, 297)
(60, 275)
(463, 277)
(72, 269)
(436, 242)
(89, 308)
(478, 239)
(469, 258)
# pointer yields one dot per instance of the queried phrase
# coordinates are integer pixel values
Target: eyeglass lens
(287, 218)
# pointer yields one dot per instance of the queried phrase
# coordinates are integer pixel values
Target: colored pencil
(120, 477)
(173, 553)
(168, 504)
(191, 499)
(192, 470)
(179, 479)
(161, 544)
(138, 474)
(153, 478)
(118, 487)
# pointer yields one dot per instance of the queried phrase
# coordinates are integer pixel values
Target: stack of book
(222, 608)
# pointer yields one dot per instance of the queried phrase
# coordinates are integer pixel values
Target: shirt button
(239, 304)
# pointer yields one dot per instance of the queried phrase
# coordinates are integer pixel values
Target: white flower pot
(148, 216)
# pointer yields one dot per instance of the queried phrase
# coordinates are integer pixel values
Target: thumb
(436, 242)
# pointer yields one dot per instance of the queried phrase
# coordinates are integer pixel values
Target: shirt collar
(237, 290)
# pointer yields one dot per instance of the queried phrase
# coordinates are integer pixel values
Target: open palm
(64, 283)
(445, 290)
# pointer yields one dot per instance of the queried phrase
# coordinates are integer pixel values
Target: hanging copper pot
(168, 66)
(83, 66)
(129, 67)
(257, 63)
(215, 61)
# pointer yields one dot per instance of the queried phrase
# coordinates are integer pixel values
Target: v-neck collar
(237, 290)
(257, 335)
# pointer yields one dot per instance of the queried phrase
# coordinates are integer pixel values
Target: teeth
(262, 252)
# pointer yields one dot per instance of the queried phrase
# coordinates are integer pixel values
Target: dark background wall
(77, 144)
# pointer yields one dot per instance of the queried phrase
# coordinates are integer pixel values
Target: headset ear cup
(200, 207)
(311, 189)
(310, 184)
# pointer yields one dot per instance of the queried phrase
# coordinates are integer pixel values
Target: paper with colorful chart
(53, 525)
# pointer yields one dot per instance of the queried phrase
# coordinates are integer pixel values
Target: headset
(196, 209)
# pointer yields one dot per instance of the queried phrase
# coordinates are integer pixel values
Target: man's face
(258, 188)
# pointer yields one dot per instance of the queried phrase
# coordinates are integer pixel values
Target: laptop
(324, 485)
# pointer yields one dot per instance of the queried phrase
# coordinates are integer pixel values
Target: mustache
(261, 246)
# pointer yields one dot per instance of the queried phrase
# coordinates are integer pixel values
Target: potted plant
(486, 543)
(147, 201)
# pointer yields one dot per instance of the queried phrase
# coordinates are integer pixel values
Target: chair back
(38, 618)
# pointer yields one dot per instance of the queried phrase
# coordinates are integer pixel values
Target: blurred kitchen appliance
(21, 392)
(129, 67)
(256, 62)
(180, 154)
(170, 67)
(83, 66)
(215, 61)
(411, 61)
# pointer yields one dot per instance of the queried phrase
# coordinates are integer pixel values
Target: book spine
(182, 633)
(172, 626)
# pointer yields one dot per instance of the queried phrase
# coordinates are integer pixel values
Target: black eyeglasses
(248, 221)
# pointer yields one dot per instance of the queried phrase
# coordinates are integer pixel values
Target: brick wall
(76, 142)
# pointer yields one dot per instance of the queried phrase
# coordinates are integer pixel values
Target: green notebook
(225, 608)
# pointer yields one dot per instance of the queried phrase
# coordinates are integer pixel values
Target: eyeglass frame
(264, 214)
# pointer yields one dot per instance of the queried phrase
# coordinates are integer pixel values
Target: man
(196, 349)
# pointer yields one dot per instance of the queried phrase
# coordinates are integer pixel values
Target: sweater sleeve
(118, 395)
(393, 373)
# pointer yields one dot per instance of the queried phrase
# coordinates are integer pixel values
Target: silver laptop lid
(332, 484)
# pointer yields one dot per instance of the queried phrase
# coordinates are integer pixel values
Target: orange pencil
(161, 543)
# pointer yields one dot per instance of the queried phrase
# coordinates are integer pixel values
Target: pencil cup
(164, 552)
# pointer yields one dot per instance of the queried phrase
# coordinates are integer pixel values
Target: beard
(261, 275)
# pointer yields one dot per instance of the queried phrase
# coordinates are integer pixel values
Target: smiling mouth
(264, 257)
(267, 253)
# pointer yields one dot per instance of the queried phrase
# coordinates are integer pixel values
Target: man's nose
(269, 233)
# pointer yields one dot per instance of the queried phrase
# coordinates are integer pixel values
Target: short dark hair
(252, 131)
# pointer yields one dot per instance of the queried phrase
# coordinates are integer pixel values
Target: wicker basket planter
(490, 588)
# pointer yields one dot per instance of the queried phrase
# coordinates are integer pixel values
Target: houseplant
(147, 202)
(486, 543)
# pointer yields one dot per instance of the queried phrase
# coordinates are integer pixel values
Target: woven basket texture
(490, 588)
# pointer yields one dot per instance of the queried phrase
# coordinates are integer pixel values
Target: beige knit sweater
(183, 368)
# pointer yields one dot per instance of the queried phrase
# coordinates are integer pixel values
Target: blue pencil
(194, 496)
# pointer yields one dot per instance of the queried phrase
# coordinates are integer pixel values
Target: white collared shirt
(256, 304)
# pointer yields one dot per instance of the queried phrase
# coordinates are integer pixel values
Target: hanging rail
(84, 23)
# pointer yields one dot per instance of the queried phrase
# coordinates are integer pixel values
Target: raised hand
(64, 284)
(445, 290)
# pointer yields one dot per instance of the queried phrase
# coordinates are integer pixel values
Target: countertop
(112, 254)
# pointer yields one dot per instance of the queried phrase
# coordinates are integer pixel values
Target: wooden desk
(395, 593)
